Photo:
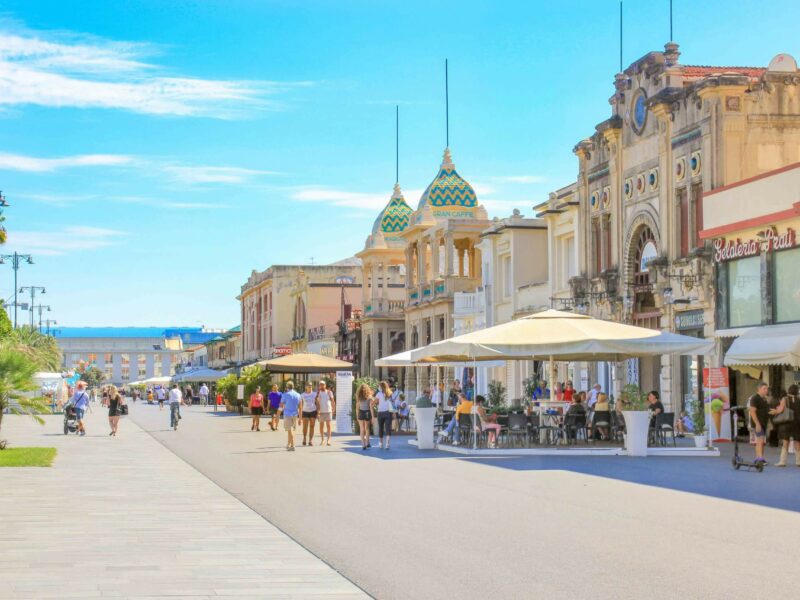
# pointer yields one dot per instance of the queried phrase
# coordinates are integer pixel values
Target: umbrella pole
(552, 378)
(474, 405)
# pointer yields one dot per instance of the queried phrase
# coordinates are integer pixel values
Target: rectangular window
(744, 292)
(507, 278)
(787, 285)
(683, 224)
(607, 243)
(697, 200)
(597, 244)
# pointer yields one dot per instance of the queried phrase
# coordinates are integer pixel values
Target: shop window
(787, 286)
(744, 292)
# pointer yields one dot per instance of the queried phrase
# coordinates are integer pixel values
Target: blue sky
(156, 152)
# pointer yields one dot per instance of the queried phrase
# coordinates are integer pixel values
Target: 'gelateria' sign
(766, 241)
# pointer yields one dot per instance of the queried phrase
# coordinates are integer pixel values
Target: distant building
(126, 354)
(225, 350)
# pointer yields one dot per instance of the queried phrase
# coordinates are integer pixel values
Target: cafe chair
(518, 429)
(465, 429)
(573, 426)
(665, 424)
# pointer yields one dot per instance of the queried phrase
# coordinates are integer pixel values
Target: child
(684, 425)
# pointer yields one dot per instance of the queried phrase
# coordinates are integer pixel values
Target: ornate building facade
(633, 217)
(442, 258)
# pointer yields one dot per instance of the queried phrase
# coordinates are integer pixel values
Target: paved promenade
(126, 518)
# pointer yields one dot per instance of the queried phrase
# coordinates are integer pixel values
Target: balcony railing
(321, 332)
(383, 307)
(466, 303)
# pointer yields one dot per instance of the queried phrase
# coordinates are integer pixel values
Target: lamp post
(41, 308)
(32, 289)
(48, 323)
(16, 260)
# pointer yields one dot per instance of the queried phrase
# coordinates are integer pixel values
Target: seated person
(402, 411)
(684, 425)
(488, 422)
(574, 415)
(464, 408)
(602, 414)
(655, 406)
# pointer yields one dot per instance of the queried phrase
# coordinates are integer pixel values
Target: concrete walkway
(124, 517)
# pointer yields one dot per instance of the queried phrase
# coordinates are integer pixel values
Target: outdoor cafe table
(549, 414)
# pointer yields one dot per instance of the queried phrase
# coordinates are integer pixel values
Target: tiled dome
(448, 190)
(394, 218)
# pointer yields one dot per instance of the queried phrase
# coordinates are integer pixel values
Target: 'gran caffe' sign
(766, 241)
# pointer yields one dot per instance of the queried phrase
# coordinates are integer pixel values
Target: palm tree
(41, 349)
(16, 378)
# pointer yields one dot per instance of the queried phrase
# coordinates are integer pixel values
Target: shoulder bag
(787, 416)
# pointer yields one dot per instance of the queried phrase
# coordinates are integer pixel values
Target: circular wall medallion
(628, 188)
(594, 200)
(695, 163)
(639, 112)
(652, 179)
(640, 183)
(680, 168)
(606, 197)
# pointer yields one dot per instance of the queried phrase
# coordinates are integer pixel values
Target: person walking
(204, 395)
(80, 400)
(256, 408)
(310, 410)
(789, 426)
(383, 402)
(327, 408)
(758, 410)
(175, 401)
(274, 406)
(115, 403)
(289, 408)
(364, 413)
(161, 395)
(188, 395)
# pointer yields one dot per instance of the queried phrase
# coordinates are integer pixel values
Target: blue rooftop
(190, 335)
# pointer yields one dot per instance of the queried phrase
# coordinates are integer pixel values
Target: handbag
(123, 409)
(787, 416)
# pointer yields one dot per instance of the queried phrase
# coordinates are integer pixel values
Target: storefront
(692, 323)
(757, 270)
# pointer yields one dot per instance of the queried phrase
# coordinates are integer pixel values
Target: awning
(305, 363)
(200, 375)
(731, 333)
(767, 345)
(403, 359)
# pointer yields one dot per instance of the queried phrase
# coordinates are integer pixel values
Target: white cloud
(18, 162)
(78, 71)
(67, 240)
(209, 174)
(360, 200)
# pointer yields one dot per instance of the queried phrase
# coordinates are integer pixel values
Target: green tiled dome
(449, 189)
(394, 218)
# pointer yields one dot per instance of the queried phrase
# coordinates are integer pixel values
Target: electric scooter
(737, 460)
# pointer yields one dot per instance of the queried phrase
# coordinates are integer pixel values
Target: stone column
(421, 274)
(149, 365)
(384, 281)
(448, 254)
(460, 262)
(166, 365)
(101, 362)
(435, 266)
(364, 282)
(133, 366)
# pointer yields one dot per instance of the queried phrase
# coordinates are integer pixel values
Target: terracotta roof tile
(699, 71)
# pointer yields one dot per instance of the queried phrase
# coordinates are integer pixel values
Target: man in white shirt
(204, 395)
(175, 400)
(592, 399)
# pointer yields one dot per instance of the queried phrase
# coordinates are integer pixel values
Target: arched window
(645, 313)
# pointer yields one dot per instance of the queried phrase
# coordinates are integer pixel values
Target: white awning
(768, 345)
(403, 359)
(731, 333)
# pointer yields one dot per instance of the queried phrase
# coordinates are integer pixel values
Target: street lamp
(49, 322)
(16, 259)
(41, 308)
(3, 203)
(32, 289)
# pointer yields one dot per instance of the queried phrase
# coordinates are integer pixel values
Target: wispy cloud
(338, 197)
(208, 174)
(18, 162)
(65, 241)
(58, 69)
(73, 199)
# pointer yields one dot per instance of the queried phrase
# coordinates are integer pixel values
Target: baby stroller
(70, 419)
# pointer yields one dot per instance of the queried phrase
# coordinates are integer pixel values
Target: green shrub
(496, 394)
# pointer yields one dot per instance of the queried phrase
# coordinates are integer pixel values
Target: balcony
(322, 332)
(468, 303)
(381, 307)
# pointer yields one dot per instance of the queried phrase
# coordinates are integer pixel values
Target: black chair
(617, 426)
(518, 428)
(465, 428)
(664, 424)
(602, 418)
(573, 425)
(534, 426)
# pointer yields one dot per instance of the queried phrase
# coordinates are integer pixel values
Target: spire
(447, 160)
(397, 192)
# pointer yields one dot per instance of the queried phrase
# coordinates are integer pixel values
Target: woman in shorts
(309, 411)
(256, 408)
(327, 406)
(364, 413)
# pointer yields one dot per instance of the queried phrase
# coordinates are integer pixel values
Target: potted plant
(699, 422)
(425, 414)
(637, 419)
(496, 394)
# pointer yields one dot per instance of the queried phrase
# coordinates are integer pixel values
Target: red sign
(281, 351)
(766, 241)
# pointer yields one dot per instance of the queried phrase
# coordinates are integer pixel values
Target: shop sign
(766, 241)
(690, 319)
(281, 351)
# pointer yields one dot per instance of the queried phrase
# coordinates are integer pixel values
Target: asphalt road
(411, 524)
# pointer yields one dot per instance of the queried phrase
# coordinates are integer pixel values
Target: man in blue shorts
(290, 404)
